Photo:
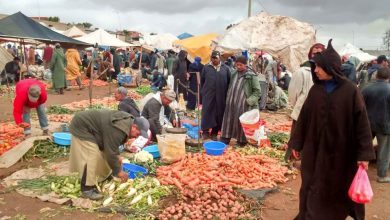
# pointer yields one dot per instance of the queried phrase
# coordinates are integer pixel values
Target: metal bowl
(176, 130)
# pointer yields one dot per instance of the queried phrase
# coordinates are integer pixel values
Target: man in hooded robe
(333, 134)
(57, 67)
(180, 72)
(215, 81)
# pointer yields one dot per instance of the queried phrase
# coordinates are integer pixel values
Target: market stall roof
(103, 38)
(197, 46)
(74, 32)
(20, 26)
(5, 57)
(160, 41)
(283, 37)
(354, 51)
(184, 36)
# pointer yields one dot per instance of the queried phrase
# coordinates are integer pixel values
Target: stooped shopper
(30, 93)
(333, 134)
(94, 152)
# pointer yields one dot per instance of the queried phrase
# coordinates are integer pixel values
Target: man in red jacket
(30, 93)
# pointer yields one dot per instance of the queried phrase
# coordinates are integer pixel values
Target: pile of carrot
(60, 118)
(81, 105)
(10, 136)
(280, 127)
(96, 82)
(207, 203)
(230, 169)
(134, 95)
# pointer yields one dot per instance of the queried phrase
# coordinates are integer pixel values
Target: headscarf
(196, 64)
(329, 60)
(317, 45)
(197, 60)
(355, 61)
(182, 55)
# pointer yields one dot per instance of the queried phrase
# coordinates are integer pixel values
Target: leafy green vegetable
(46, 149)
(278, 139)
(56, 109)
(144, 90)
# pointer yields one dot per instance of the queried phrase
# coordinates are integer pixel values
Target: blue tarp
(184, 36)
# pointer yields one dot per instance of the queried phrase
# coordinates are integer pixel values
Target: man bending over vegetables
(30, 93)
(94, 152)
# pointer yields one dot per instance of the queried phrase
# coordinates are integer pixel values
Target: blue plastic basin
(214, 148)
(134, 170)
(153, 150)
(62, 138)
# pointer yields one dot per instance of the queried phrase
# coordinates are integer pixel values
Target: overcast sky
(361, 22)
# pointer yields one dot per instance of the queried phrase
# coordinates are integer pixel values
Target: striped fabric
(235, 107)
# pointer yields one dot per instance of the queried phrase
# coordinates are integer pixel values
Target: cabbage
(143, 156)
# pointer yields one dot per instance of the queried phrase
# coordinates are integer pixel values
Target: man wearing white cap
(30, 93)
(154, 111)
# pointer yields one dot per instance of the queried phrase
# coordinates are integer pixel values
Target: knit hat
(33, 93)
(170, 95)
(215, 54)
(329, 60)
(143, 126)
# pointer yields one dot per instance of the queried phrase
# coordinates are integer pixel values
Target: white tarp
(74, 32)
(354, 51)
(102, 38)
(160, 41)
(283, 37)
(5, 57)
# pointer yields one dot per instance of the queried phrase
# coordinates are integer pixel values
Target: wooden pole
(198, 104)
(91, 80)
(249, 8)
(139, 69)
(24, 58)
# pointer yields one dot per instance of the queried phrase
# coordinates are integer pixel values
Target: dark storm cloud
(168, 6)
(332, 11)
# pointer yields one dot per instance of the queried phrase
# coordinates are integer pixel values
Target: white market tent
(283, 37)
(5, 57)
(354, 51)
(103, 38)
(74, 32)
(160, 41)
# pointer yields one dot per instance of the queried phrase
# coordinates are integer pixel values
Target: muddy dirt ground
(281, 205)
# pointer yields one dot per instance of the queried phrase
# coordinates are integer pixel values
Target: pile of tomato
(10, 136)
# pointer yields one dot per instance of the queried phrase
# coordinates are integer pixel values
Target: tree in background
(54, 19)
(86, 25)
(386, 40)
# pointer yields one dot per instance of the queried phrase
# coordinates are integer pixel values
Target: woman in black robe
(333, 134)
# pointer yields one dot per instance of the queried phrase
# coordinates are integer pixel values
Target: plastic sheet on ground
(59, 169)
(257, 194)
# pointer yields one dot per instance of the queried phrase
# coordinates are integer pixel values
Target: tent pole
(24, 58)
(198, 104)
(139, 69)
(91, 83)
